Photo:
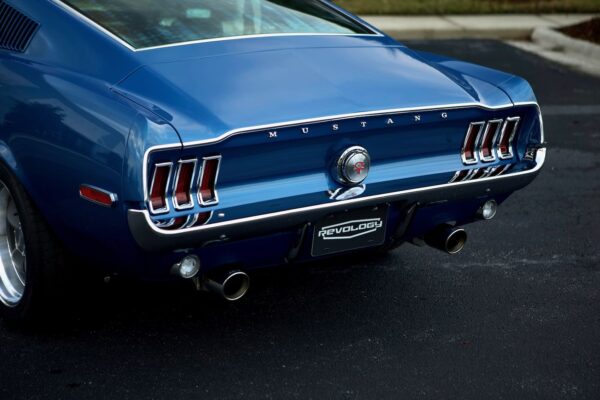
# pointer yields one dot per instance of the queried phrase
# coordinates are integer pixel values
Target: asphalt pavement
(516, 315)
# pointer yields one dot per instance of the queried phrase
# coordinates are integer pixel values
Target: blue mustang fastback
(205, 138)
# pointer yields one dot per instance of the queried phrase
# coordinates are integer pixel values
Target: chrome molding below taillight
(457, 176)
(184, 222)
(478, 173)
(166, 208)
(488, 140)
(468, 152)
(166, 223)
(513, 124)
(190, 204)
(503, 169)
(203, 176)
(471, 174)
(488, 172)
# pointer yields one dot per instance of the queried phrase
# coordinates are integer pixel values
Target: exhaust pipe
(447, 238)
(231, 286)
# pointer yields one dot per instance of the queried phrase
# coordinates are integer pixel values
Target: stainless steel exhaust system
(231, 286)
(447, 238)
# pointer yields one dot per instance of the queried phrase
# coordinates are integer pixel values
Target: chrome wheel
(13, 259)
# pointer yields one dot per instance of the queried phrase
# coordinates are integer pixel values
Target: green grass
(431, 7)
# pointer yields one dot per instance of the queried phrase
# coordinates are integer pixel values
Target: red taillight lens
(183, 184)
(507, 136)
(159, 187)
(208, 180)
(468, 151)
(486, 152)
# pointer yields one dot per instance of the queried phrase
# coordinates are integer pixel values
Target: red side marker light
(97, 196)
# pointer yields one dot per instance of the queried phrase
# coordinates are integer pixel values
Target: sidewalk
(507, 27)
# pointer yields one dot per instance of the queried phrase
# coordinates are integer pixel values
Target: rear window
(151, 23)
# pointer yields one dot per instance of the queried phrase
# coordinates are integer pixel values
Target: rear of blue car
(206, 139)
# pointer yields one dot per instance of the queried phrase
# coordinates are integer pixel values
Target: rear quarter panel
(61, 126)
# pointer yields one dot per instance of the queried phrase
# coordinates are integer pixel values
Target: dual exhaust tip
(447, 238)
(233, 285)
(452, 239)
(230, 285)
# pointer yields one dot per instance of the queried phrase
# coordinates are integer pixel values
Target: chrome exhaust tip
(447, 238)
(231, 286)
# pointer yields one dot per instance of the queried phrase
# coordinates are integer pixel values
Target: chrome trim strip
(470, 175)
(177, 174)
(492, 156)
(113, 197)
(341, 117)
(201, 177)
(488, 172)
(191, 220)
(122, 42)
(241, 37)
(472, 126)
(332, 118)
(165, 224)
(510, 154)
(504, 169)
(166, 208)
(540, 159)
(455, 177)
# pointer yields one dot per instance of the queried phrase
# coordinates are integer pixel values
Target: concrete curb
(553, 45)
(506, 27)
(552, 39)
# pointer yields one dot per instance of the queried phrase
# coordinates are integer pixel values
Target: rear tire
(32, 261)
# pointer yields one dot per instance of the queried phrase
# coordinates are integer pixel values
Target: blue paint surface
(80, 108)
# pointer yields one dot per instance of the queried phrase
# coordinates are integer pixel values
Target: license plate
(350, 230)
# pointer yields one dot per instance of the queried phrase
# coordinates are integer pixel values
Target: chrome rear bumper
(151, 238)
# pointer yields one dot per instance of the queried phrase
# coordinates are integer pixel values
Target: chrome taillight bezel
(190, 204)
(478, 126)
(509, 147)
(202, 176)
(166, 208)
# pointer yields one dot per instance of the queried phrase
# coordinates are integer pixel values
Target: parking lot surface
(516, 315)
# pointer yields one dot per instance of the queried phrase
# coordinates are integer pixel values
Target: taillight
(184, 181)
(159, 188)
(468, 154)
(207, 195)
(486, 146)
(505, 144)
(183, 186)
